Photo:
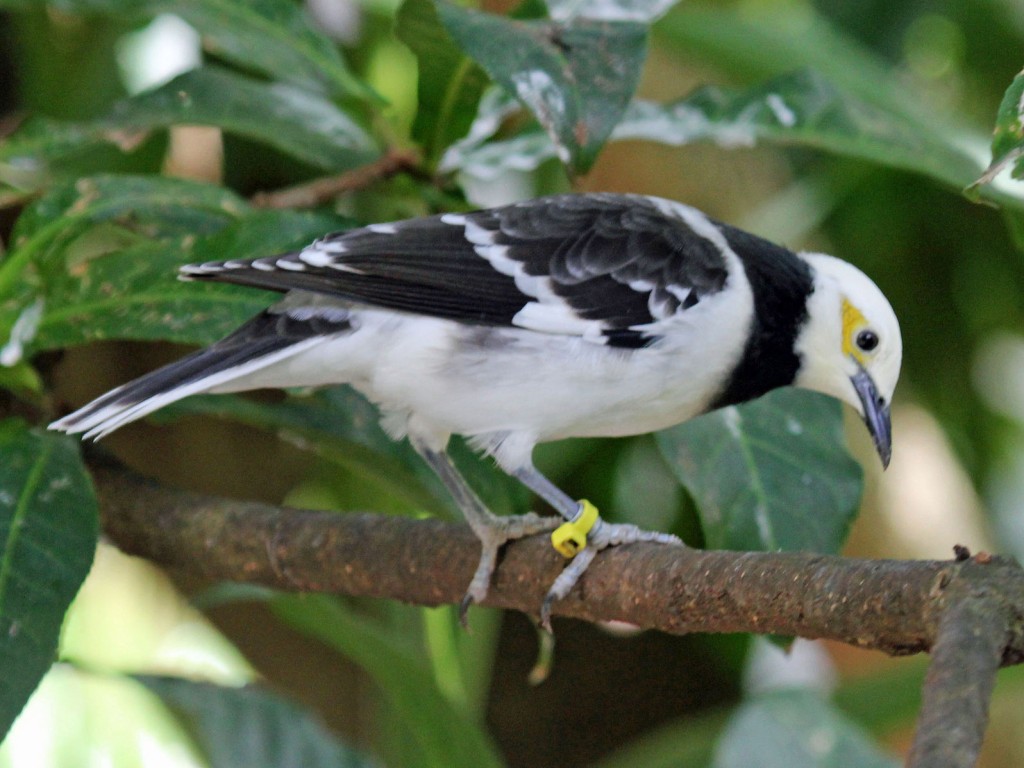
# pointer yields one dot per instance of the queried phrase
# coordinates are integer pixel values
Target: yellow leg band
(569, 538)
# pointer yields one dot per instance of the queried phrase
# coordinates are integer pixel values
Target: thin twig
(319, 191)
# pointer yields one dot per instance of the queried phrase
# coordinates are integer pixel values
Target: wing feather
(618, 264)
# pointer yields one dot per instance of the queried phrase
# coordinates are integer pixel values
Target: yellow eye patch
(853, 322)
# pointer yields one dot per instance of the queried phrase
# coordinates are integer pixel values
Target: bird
(572, 315)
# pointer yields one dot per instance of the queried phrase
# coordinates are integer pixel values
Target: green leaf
(445, 733)
(761, 42)
(133, 292)
(756, 44)
(296, 121)
(638, 474)
(687, 742)
(449, 85)
(48, 530)
(132, 208)
(343, 428)
(1014, 219)
(44, 151)
(487, 160)
(641, 11)
(882, 702)
(805, 110)
(159, 206)
(274, 37)
(249, 726)
(576, 79)
(98, 259)
(299, 123)
(21, 378)
(1008, 136)
(462, 661)
(795, 729)
(887, 699)
(141, 206)
(773, 474)
(799, 109)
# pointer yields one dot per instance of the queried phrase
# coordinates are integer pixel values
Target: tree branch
(968, 612)
(894, 606)
(972, 638)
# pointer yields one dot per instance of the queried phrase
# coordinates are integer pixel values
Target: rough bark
(968, 612)
(891, 605)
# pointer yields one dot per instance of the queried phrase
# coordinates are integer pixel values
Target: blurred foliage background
(851, 128)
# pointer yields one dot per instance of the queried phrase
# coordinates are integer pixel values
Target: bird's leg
(601, 536)
(563, 504)
(493, 531)
(592, 536)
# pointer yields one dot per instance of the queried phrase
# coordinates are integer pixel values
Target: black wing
(602, 265)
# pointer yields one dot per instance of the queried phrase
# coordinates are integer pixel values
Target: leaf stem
(16, 262)
(321, 190)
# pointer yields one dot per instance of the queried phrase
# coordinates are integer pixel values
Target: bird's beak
(876, 414)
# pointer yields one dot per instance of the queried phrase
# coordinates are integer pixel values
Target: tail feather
(263, 341)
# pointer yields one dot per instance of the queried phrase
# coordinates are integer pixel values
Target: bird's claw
(598, 535)
(493, 535)
(545, 612)
(602, 536)
(467, 601)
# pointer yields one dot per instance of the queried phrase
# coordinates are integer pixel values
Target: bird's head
(851, 347)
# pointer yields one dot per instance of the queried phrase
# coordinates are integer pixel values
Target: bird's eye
(867, 340)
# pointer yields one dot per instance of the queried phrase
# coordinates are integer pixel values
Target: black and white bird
(564, 316)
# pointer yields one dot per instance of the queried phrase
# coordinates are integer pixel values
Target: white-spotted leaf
(800, 109)
(1008, 135)
(576, 79)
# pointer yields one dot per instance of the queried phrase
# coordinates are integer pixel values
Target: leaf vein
(18, 520)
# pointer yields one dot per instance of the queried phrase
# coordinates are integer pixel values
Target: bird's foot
(600, 536)
(494, 532)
